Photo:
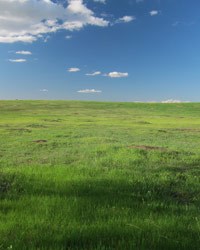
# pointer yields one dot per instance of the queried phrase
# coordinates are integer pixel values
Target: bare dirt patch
(162, 131)
(53, 120)
(37, 126)
(40, 141)
(148, 148)
(188, 129)
(144, 122)
(182, 197)
(20, 130)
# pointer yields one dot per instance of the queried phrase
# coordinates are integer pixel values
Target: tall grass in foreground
(85, 175)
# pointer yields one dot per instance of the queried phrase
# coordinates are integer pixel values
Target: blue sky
(113, 50)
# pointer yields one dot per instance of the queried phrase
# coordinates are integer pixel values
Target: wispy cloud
(94, 73)
(44, 90)
(177, 23)
(72, 70)
(100, 1)
(17, 60)
(89, 91)
(117, 75)
(154, 12)
(23, 52)
(68, 37)
(171, 101)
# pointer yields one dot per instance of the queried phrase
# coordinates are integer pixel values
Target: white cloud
(73, 70)
(94, 74)
(177, 23)
(171, 101)
(44, 90)
(89, 91)
(117, 74)
(17, 60)
(100, 1)
(29, 20)
(68, 37)
(23, 52)
(154, 12)
(9, 38)
(126, 19)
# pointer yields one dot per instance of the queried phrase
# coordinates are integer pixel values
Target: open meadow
(99, 176)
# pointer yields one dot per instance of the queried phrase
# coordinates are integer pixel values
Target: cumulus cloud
(73, 70)
(94, 74)
(126, 19)
(154, 12)
(28, 20)
(23, 52)
(117, 74)
(89, 91)
(17, 60)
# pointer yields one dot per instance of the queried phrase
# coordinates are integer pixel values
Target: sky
(102, 50)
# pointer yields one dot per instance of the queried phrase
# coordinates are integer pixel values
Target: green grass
(99, 176)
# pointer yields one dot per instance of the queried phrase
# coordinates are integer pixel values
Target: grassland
(98, 176)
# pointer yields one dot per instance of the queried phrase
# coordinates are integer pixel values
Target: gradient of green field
(86, 175)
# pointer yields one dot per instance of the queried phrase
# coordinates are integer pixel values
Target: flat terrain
(86, 175)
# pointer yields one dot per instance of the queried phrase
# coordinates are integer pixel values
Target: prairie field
(99, 175)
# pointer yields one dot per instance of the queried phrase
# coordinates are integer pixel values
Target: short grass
(87, 175)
